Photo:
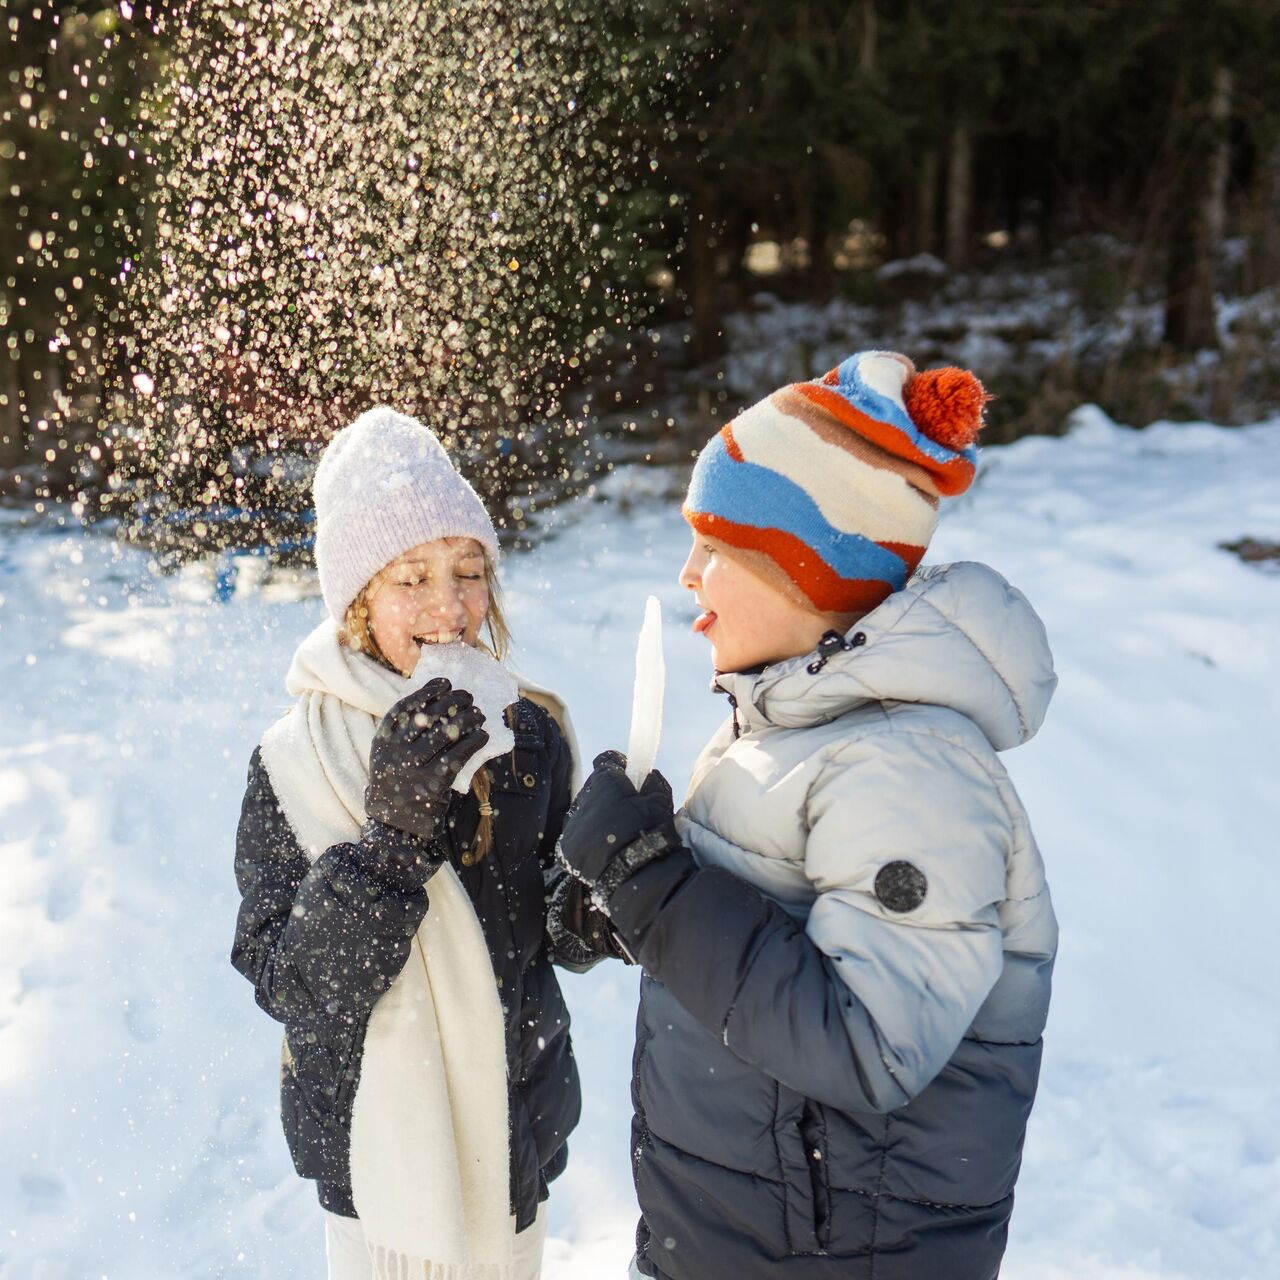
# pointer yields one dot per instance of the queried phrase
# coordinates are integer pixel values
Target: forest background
(226, 227)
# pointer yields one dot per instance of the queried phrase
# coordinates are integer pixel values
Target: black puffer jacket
(336, 926)
(848, 941)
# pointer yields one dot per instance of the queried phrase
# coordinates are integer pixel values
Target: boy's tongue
(703, 621)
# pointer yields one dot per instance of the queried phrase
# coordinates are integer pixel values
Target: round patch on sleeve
(900, 886)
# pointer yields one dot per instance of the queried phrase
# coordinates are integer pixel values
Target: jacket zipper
(814, 1138)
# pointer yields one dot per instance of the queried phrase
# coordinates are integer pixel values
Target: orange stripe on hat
(952, 477)
(909, 555)
(730, 444)
(823, 587)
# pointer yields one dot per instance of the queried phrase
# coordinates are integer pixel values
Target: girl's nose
(445, 608)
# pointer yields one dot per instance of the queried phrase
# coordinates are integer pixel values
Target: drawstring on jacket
(831, 643)
(733, 703)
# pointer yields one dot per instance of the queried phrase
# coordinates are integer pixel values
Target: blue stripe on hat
(747, 493)
(852, 387)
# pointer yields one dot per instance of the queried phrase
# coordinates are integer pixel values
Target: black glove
(613, 830)
(579, 934)
(418, 751)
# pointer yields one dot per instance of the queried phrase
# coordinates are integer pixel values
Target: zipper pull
(832, 643)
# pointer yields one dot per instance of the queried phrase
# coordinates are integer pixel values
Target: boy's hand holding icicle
(623, 819)
(613, 833)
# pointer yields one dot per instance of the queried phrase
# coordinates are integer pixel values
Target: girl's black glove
(418, 751)
(613, 830)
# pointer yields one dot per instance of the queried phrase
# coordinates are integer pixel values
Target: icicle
(646, 701)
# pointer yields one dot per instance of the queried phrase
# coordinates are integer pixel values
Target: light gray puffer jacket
(876, 1133)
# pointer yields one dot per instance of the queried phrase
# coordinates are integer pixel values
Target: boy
(846, 932)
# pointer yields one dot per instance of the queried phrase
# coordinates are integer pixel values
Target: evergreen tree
(71, 76)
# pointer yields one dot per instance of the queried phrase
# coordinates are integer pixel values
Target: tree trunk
(702, 288)
(1198, 227)
(812, 201)
(867, 53)
(960, 195)
(29, 395)
(1264, 251)
(926, 219)
(12, 437)
(820, 272)
(1213, 217)
(735, 236)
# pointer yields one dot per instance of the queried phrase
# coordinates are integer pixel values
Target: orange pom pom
(946, 404)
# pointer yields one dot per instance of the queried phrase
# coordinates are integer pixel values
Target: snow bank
(137, 1108)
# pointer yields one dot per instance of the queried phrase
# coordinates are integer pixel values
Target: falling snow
(370, 203)
(137, 1079)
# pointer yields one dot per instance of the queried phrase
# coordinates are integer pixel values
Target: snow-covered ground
(138, 1131)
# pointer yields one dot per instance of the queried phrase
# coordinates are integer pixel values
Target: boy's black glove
(613, 831)
(579, 934)
(418, 751)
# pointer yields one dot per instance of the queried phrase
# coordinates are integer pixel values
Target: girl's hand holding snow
(613, 829)
(418, 749)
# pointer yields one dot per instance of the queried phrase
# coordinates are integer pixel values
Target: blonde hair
(356, 634)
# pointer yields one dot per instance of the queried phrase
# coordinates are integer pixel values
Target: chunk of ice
(491, 685)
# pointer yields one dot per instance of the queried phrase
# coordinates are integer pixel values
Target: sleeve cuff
(399, 858)
(647, 847)
(696, 930)
(641, 899)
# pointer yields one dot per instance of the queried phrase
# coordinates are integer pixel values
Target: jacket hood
(956, 636)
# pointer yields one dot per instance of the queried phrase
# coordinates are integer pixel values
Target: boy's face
(435, 593)
(747, 622)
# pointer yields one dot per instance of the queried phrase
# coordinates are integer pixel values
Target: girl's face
(748, 623)
(435, 593)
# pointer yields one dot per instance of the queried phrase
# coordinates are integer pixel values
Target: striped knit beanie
(829, 489)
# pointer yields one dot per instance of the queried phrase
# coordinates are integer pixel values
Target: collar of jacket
(957, 636)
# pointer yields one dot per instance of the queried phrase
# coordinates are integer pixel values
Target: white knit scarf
(429, 1125)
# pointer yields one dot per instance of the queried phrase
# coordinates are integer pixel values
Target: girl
(392, 918)
(846, 932)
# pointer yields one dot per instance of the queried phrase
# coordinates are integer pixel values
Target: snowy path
(137, 1108)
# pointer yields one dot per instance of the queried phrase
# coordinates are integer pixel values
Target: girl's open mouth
(437, 637)
(703, 622)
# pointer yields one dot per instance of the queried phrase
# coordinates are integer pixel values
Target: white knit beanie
(383, 486)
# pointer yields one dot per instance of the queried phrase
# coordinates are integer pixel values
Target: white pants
(348, 1254)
